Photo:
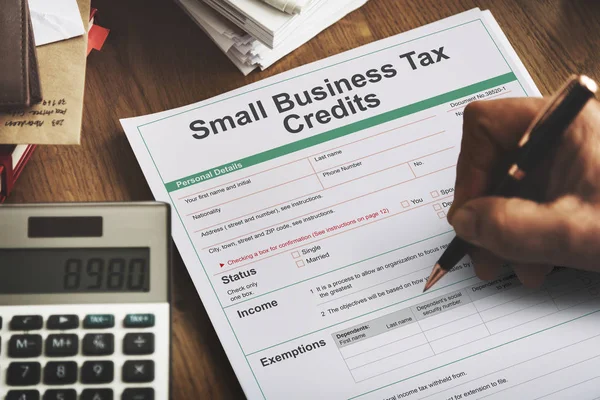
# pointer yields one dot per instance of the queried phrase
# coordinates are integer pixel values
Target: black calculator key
(63, 345)
(61, 322)
(138, 343)
(97, 372)
(138, 371)
(98, 321)
(138, 394)
(139, 320)
(60, 394)
(98, 344)
(25, 346)
(23, 395)
(60, 373)
(26, 322)
(23, 373)
(96, 394)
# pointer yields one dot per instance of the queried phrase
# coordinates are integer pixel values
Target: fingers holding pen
(520, 231)
(490, 130)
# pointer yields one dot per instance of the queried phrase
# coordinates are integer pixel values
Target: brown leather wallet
(19, 78)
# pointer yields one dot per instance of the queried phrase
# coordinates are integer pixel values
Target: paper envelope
(57, 119)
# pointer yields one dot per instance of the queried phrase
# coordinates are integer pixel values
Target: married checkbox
(300, 263)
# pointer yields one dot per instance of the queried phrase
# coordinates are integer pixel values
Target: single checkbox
(405, 204)
(295, 254)
(300, 263)
(437, 207)
(441, 214)
(435, 194)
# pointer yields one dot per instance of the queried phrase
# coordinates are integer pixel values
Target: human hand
(559, 223)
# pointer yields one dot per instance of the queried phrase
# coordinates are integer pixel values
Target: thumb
(564, 232)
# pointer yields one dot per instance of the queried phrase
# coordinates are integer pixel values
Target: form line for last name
(331, 187)
(313, 169)
(309, 194)
(312, 155)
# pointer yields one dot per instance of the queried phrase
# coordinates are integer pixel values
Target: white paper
(198, 12)
(262, 13)
(262, 21)
(248, 55)
(288, 6)
(309, 230)
(55, 20)
(310, 29)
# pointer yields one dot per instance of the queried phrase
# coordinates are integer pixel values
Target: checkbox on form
(300, 263)
(437, 207)
(435, 194)
(405, 204)
(295, 254)
(441, 214)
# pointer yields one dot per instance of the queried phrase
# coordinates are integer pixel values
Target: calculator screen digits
(63, 270)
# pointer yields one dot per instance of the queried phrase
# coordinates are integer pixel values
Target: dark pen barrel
(455, 251)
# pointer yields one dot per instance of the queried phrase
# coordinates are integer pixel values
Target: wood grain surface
(156, 59)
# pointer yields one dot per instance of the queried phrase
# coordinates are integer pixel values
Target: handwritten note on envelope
(55, 20)
(57, 119)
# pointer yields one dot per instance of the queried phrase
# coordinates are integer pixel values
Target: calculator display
(61, 270)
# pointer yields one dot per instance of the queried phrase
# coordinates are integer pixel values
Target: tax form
(310, 207)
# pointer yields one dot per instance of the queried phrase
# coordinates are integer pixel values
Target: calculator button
(62, 345)
(23, 395)
(60, 373)
(60, 394)
(96, 394)
(25, 346)
(26, 322)
(98, 344)
(138, 371)
(138, 343)
(62, 322)
(97, 321)
(23, 373)
(97, 372)
(138, 394)
(139, 320)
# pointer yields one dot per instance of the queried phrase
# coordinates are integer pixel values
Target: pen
(535, 144)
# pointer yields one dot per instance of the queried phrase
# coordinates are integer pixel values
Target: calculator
(85, 301)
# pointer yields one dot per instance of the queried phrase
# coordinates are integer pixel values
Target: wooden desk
(156, 58)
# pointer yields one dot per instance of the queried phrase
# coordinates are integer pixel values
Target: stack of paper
(263, 21)
(250, 45)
